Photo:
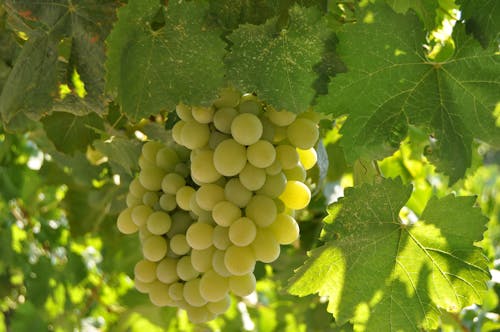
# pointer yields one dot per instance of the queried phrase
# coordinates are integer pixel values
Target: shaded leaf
(278, 65)
(152, 70)
(386, 276)
(482, 19)
(122, 153)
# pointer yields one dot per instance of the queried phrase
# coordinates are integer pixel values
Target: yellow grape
(158, 223)
(303, 133)
(203, 168)
(183, 197)
(239, 260)
(158, 295)
(184, 112)
(242, 232)
(192, 295)
(242, 285)
(230, 157)
(262, 210)
(125, 223)
(265, 246)
(145, 271)
(213, 286)
(261, 154)
(287, 156)
(154, 248)
(194, 135)
(220, 306)
(280, 118)
(203, 114)
(285, 228)
(208, 195)
(199, 235)
(225, 213)
(140, 214)
(308, 158)
(176, 291)
(185, 269)
(166, 270)
(296, 195)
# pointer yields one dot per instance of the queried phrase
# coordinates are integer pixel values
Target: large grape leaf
(152, 67)
(425, 9)
(482, 19)
(390, 84)
(384, 275)
(64, 37)
(278, 65)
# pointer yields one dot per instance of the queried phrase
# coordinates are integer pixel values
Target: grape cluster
(220, 198)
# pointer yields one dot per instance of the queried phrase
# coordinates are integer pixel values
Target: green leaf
(122, 153)
(387, 276)
(64, 37)
(391, 85)
(278, 65)
(482, 19)
(70, 133)
(425, 9)
(152, 70)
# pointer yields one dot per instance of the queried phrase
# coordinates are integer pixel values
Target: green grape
(140, 214)
(199, 213)
(149, 151)
(280, 118)
(154, 248)
(242, 285)
(136, 188)
(225, 213)
(208, 195)
(142, 287)
(203, 114)
(239, 260)
(199, 235)
(279, 134)
(228, 97)
(223, 119)
(192, 295)
(203, 168)
(176, 291)
(265, 246)
(179, 245)
(275, 167)
(158, 223)
(230, 157)
(184, 112)
(242, 232)
(145, 271)
(298, 173)
(167, 202)
(151, 178)
(202, 259)
(131, 200)
(285, 229)
(246, 129)
(308, 158)
(213, 286)
(185, 269)
(172, 182)
(287, 156)
(182, 169)
(125, 223)
(144, 233)
(261, 154)
(183, 197)
(177, 132)
(262, 210)
(150, 198)
(274, 185)
(250, 106)
(218, 264)
(267, 129)
(197, 315)
(158, 295)
(236, 193)
(221, 237)
(221, 306)
(166, 270)
(303, 133)
(194, 135)
(167, 158)
(181, 220)
(252, 178)
(144, 163)
(216, 138)
(296, 195)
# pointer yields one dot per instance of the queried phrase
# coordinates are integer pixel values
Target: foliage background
(84, 82)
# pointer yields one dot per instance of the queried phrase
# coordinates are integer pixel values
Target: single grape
(140, 214)
(296, 195)
(242, 232)
(179, 245)
(202, 259)
(236, 193)
(221, 237)
(228, 97)
(145, 271)
(183, 197)
(172, 182)
(208, 195)
(177, 132)
(158, 295)
(274, 185)
(203, 114)
(166, 270)
(184, 112)
(150, 149)
(308, 158)
(298, 173)
(242, 285)
(150, 198)
(137, 188)
(246, 128)
(225, 213)
(213, 286)
(230, 157)
(185, 269)
(158, 223)
(142, 287)
(191, 292)
(285, 228)
(265, 246)
(199, 235)
(203, 168)
(221, 306)
(239, 260)
(287, 156)
(218, 263)
(262, 210)
(125, 223)
(261, 154)
(167, 158)
(154, 248)
(176, 291)
(280, 118)
(167, 202)
(194, 135)
(303, 133)
(252, 178)
(223, 119)
(151, 178)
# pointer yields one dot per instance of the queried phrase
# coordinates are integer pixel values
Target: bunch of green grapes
(222, 198)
